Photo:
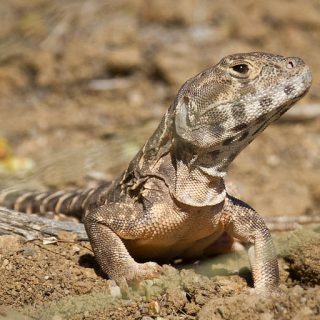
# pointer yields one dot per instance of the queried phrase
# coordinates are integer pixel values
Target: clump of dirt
(295, 303)
(304, 265)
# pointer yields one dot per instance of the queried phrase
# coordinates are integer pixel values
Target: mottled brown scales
(240, 127)
(171, 202)
(265, 102)
(261, 119)
(238, 111)
(227, 141)
(243, 136)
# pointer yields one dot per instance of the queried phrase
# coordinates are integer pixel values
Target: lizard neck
(198, 177)
(150, 156)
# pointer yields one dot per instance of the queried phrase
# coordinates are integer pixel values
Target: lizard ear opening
(186, 100)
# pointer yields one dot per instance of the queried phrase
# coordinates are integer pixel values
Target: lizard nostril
(291, 64)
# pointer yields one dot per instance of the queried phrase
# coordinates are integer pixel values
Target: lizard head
(238, 95)
(223, 108)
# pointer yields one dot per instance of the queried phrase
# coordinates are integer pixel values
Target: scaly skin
(171, 201)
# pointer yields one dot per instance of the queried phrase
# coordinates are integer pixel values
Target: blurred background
(84, 83)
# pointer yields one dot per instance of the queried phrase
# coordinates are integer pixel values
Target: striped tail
(69, 203)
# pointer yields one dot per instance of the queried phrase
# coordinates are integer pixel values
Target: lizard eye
(240, 70)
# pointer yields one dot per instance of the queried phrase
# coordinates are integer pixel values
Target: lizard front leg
(111, 253)
(243, 223)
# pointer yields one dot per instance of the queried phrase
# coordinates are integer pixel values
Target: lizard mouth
(298, 97)
(304, 81)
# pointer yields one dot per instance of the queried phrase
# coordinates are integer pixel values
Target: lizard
(171, 201)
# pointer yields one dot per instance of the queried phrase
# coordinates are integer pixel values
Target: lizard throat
(197, 184)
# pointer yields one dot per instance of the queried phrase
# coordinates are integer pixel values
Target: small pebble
(154, 307)
(5, 263)
(115, 292)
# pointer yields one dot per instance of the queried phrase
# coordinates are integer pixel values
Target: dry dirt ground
(83, 83)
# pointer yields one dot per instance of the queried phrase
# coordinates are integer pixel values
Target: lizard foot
(147, 270)
(139, 272)
(268, 292)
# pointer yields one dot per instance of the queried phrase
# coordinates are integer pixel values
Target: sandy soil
(84, 83)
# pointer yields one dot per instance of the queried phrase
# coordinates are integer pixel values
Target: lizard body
(171, 201)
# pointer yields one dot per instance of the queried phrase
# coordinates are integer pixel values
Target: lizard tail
(69, 203)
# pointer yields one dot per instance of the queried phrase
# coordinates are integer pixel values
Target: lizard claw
(147, 270)
(138, 273)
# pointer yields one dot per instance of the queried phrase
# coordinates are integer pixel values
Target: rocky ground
(62, 281)
(84, 83)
